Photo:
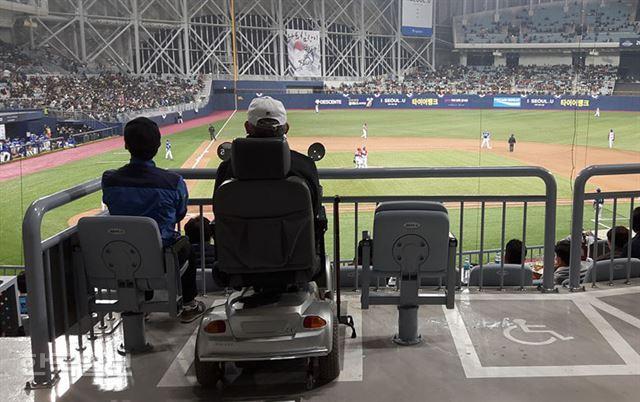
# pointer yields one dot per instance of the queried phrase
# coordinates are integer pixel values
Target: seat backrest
(264, 220)
(619, 269)
(513, 274)
(121, 249)
(411, 237)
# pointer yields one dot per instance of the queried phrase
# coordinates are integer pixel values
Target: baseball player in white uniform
(597, 113)
(365, 131)
(612, 138)
(486, 140)
(365, 155)
(357, 158)
(317, 107)
(168, 154)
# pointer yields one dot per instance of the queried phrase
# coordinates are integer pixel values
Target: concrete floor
(494, 346)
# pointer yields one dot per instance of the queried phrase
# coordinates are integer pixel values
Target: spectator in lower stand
(561, 266)
(621, 241)
(513, 252)
(635, 242)
(142, 189)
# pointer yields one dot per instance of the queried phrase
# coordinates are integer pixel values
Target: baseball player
(357, 158)
(365, 154)
(5, 154)
(317, 107)
(365, 131)
(598, 204)
(212, 132)
(168, 154)
(486, 140)
(597, 113)
(512, 142)
(612, 138)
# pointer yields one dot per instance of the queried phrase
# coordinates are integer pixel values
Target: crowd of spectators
(104, 96)
(525, 80)
(551, 23)
(44, 79)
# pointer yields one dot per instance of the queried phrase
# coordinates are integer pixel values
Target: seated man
(267, 117)
(141, 189)
(561, 266)
(635, 242)
(617, 249)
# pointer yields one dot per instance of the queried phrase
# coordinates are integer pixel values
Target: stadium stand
(103, 95)
(537, 80)
(550, 23)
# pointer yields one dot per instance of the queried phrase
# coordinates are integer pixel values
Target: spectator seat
(125, 256)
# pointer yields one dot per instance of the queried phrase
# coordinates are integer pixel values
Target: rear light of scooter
(313, 322)
(215, 327)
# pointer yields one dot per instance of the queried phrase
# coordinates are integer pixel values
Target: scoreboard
(417, 18)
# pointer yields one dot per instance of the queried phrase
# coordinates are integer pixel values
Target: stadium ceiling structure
(227, 38)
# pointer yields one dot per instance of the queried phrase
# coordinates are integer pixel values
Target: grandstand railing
(579, 198)
(49, 264)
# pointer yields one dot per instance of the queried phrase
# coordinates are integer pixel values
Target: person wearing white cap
(267, 117)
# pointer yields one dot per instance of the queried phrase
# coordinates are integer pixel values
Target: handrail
(34, 264)
(551, 190)
(578, 210)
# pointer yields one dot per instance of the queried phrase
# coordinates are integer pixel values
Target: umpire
(512, 142)
(212, 132)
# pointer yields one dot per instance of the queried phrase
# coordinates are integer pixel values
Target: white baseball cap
(265, 107)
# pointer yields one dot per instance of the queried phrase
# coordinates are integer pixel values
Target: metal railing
(46, 259)
(579, 198)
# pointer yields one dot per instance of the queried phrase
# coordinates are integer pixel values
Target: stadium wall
(433, 101)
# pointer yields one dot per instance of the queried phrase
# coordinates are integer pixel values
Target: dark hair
(563, 251)
(635, 221)
(192, 230)
(622, 237)
(513, 252)
(268, 128)
(142, 138)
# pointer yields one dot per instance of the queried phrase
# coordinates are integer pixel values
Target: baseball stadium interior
(327, 200)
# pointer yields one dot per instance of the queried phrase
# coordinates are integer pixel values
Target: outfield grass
(551, 127)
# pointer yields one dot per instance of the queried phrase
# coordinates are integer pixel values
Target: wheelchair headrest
(260, 158)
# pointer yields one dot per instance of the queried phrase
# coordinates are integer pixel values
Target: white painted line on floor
(206, 150)
(466, 351)
(617, 342)
(607, 308)
(176, 374)
(474, 369)
(353, 358)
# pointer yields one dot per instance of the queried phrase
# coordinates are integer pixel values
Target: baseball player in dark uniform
(512, 142)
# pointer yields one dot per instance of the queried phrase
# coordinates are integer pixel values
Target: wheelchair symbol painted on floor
(522, 327)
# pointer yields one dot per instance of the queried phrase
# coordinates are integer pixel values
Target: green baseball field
(561, 141)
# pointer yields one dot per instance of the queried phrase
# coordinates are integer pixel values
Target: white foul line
(206, 150)
(352, 367)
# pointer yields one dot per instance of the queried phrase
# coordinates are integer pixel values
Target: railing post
(37, 303)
